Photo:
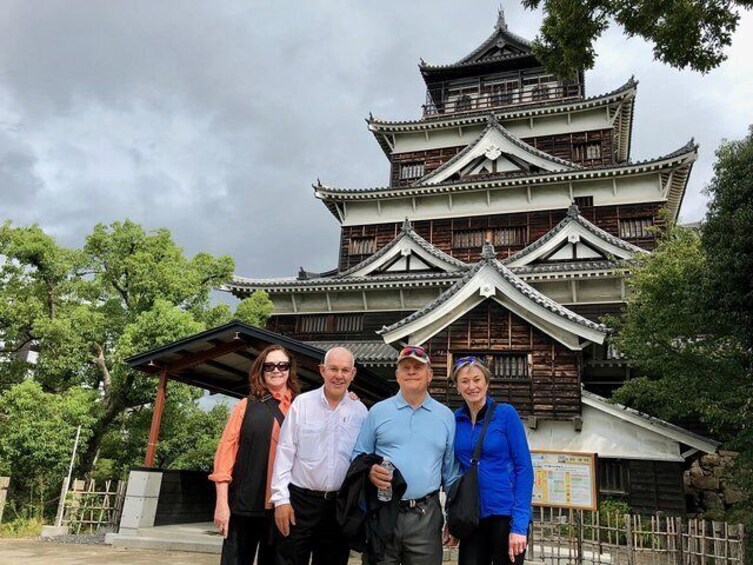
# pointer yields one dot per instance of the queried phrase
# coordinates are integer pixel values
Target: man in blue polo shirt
(416, 433)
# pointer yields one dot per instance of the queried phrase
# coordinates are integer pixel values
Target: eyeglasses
(282, 366)
(469, 360)
(414, 350)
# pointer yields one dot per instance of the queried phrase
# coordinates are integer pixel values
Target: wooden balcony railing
(473, 102)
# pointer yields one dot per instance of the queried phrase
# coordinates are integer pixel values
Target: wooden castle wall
(290, 326)
(552, 388)
(535, 224)
(656, 485)
(575, 147)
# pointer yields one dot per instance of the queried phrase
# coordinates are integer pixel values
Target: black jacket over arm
(367, 522)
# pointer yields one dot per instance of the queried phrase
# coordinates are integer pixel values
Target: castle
(510, 222)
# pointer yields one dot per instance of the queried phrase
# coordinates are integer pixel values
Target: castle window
(502, 93)
(329, 323)
(586, 151)
(509, 367)
(500, 96)
(362, 245)
(633, 228)
(463, 103)
(503, 366)
(583, 201)
(613, 476)
(466, 239)
(411, 170)
(311, 324)
(540, 93)
(510, 236)
(349, 323)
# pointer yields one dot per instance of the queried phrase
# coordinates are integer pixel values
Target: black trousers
(315, 535)
(244, 535)
(488, 545)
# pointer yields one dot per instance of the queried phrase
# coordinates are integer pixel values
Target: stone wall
(709, 485)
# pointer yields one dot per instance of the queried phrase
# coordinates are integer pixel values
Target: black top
(248, 489)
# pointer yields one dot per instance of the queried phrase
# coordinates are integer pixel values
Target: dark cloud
(213, 119)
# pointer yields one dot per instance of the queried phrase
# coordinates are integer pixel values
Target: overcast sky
(213, 119)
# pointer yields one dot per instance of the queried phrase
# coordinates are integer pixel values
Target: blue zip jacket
(505, 471)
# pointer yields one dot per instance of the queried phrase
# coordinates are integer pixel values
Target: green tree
(684, 33)
(255, 309)
(728, 243)
(86, 310)
(690, 365)
(688, 325)
(37, 434)
(188, 437)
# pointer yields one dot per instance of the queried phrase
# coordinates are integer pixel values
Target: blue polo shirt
(418, 441)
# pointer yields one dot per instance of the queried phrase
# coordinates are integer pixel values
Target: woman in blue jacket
(505, 472)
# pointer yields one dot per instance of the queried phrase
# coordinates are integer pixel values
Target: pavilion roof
(219, 360)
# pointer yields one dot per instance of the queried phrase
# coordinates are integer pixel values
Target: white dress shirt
(316, 444)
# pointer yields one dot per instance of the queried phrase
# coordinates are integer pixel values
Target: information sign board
(564, 479)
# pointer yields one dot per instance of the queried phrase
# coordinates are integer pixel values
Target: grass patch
(21, 528)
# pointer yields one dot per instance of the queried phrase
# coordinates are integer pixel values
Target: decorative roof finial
(318, 182)
(501, 23)
(302, 274)
(487, 251)
(572, 211)
(406, 225)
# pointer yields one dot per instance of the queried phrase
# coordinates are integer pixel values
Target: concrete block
(54, 531)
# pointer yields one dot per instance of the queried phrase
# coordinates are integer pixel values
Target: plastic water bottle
(385, 494)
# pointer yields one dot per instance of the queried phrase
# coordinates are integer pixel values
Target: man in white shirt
(313, 456)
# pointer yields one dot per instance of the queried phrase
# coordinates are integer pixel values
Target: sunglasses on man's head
(282, 366)
(414, 350)
(469, 360)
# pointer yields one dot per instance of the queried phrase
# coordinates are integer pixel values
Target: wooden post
(4, 482)
(159, 404)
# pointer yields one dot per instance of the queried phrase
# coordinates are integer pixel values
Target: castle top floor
(501, 72)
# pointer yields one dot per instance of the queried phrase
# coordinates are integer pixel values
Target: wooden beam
(203, 356)
(159, 405)
(226, 367)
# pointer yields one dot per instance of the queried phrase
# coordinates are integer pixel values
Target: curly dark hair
(256, 374)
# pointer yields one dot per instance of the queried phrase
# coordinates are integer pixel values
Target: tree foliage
(688, 326)
(689, 366)
(728, 243)
(87, 310)
(38, 431)
(684, 33)
(188, 437)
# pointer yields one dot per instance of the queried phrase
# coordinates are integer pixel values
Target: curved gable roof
(496, 141)
(406, 244)
(501, 44)
(490, 279)
(573, 229)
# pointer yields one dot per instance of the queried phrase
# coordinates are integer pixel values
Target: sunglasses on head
(469, 360)
(282, 366)
(414, 350)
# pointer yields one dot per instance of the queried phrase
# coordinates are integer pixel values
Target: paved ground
(31, 552)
